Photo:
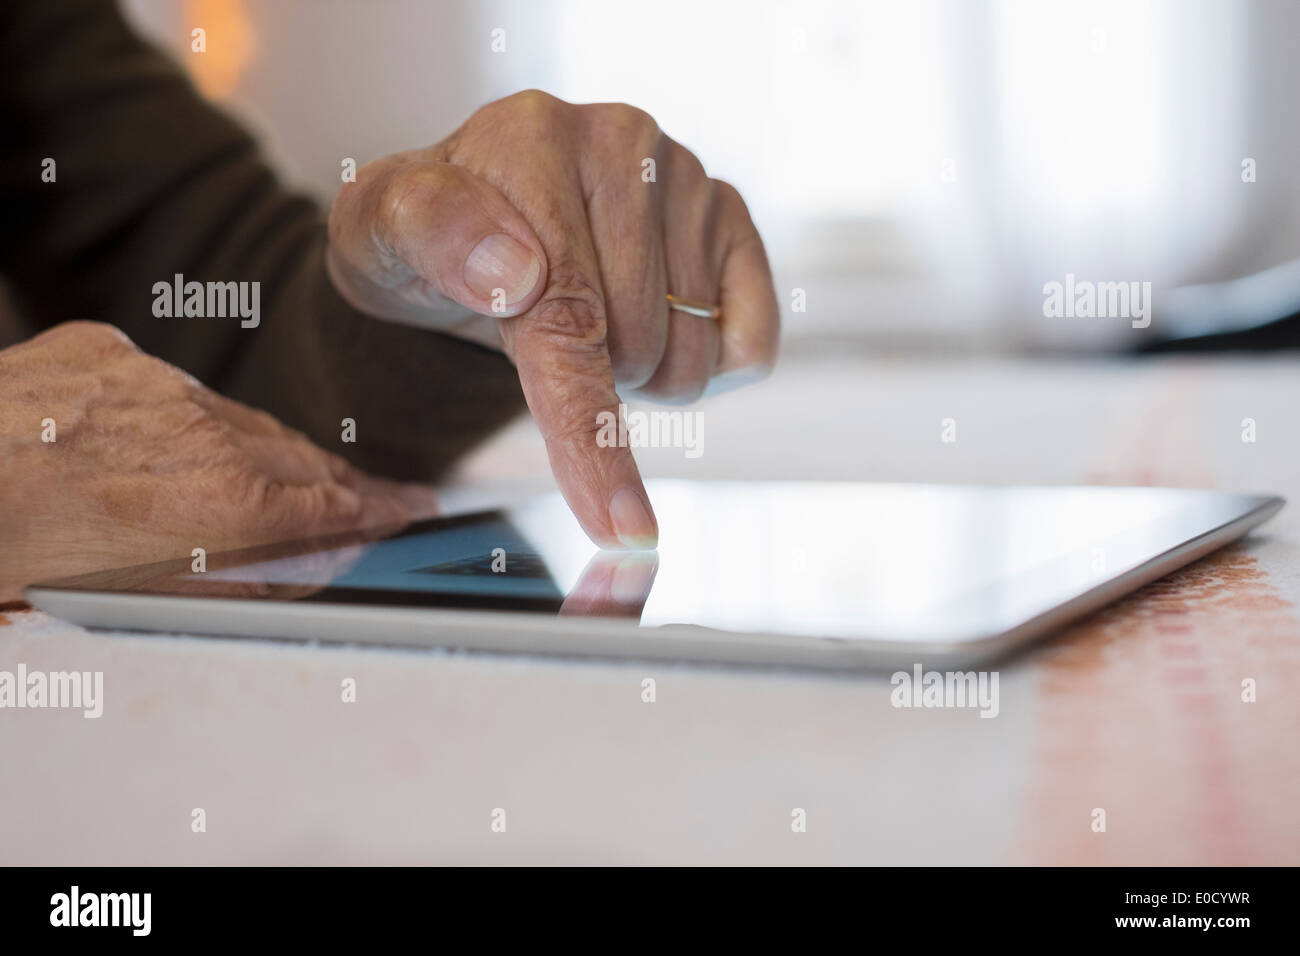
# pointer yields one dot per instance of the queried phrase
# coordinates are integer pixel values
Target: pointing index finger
(560, 349)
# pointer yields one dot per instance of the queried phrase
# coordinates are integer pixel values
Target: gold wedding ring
(691, 307)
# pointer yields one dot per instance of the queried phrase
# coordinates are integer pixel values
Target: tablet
(836, 575)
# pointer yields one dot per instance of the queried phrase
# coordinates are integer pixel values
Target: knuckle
(350, 203)
(337, 505)
(100, 337)
(160, 377)
(209, 436)
(534, 100)
(275, 505)
(534, 109)
(623, 121)
(685, 166)
(316, 507)
(398, 196)
(266, 425)
(729, 197)
(734, 220)
(572, 308)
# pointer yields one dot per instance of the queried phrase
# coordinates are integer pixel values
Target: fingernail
(631, 519)
(633, 577)
(500, 262)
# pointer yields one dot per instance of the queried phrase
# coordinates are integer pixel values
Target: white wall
(1101, 137)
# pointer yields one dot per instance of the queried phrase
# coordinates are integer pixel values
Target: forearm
(150, 182)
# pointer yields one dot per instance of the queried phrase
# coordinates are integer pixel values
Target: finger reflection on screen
(613, 584)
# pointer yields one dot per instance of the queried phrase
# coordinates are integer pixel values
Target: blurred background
(919, 168)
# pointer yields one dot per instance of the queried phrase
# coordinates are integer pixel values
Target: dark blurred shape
(1270, 337)
(1254, 313)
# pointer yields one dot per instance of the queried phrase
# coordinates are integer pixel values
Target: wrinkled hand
(148, 464)
(541, 208)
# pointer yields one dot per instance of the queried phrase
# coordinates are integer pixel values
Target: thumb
(417, 231)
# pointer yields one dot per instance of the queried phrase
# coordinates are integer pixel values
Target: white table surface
(1136, 710)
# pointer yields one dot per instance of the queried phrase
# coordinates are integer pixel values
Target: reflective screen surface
(884, 562)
